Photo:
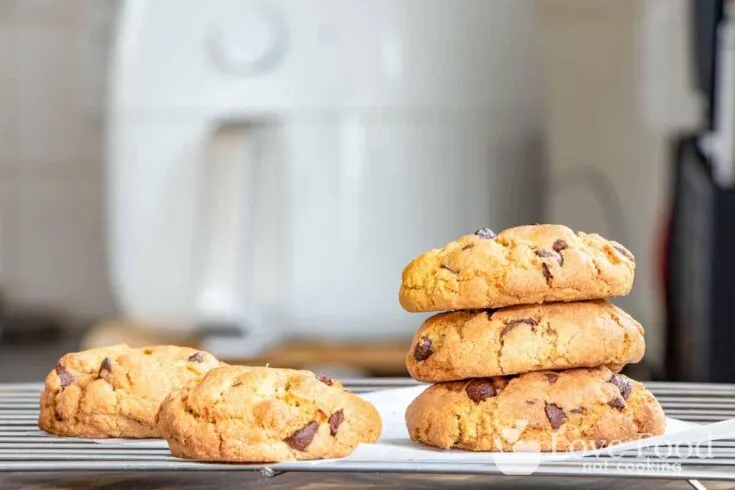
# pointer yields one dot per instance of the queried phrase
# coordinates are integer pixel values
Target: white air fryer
(273, 166)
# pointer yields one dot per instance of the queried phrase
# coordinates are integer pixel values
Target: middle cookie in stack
(537, 369)
(476, 344)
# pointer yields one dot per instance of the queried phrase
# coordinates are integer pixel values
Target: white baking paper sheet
(395, 446)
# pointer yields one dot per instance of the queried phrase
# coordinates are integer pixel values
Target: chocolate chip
(518, 321)
(335, 420)
(547, 272)
(196, 357)
(65, 376)
(577, 410)
(559, 245)
(617, 402)
(486, 234)
(58, 416)
(445, 267)
(105, 366)
(623, 251)
(556, 415)
(479, 390)
(551, 378)
(301, 439)
(325, 379)
(423, 349)
(551, 254)
(623, 383)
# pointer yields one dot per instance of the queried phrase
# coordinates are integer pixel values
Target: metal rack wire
(24, 448)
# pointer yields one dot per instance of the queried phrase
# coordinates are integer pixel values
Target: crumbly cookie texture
(542, 411)
(481, 343)
(116, 391)
(522, 265)
(260, 414)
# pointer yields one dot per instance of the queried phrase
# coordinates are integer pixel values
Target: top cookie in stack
(522, 265)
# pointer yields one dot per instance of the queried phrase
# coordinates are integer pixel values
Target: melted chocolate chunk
(617, 402)
(486, 234)
(547, 273)
(105, 366)
(551, 254)
(552, 378)
(479, 390)
(301, 439)
(556, 415)
(559, 245)
(335, 420)
(325, 379)
(65, 377)
(196, 357)
(623, 251)
(423, 349)
(518, 321)
(623, 383)
(577, 410)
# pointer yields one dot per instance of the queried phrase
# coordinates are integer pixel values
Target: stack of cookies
(530, 353)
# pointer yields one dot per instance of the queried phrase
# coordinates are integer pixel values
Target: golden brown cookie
(522, 265)
(480, 343)
(260, 414)
(116, 391)
(567, 410)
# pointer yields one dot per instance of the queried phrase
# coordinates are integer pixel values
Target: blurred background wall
(52, 238)
(616, 85)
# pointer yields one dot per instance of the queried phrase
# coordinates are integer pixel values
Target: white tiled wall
(52, 67)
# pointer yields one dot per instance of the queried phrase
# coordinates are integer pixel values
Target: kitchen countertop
(239, 480)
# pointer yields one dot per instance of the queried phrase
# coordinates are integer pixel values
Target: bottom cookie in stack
(569, 410)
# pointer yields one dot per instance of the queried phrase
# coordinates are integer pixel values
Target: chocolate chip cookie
(522, 265)
(260, 414)
(116, 391)
(481, 343)
(569, 410)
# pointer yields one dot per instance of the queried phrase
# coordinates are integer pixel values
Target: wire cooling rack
(24, 448)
